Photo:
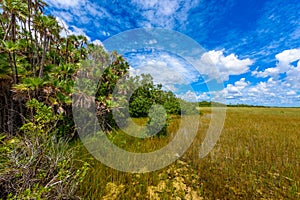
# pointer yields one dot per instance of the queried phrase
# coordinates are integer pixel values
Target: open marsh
(256, 157)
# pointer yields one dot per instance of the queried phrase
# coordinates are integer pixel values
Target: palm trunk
(36, 55)
(11, 63)
(13, 55)
(45, 46)
(67, 47)
(10, 121)
(31, 40)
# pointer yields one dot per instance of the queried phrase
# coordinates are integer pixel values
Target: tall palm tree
(83, 42)
(49, 29)
(14, 10)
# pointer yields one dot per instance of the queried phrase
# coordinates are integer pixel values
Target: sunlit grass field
(256, 157)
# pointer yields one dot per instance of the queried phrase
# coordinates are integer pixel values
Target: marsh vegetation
(257, 157)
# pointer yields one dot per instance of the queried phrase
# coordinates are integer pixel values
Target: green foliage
(157, 123)
(204, 104)
(172, 104)
(188, 108)
(148, 94)
(42, 122)
(4, 68)
(38, 165)
(117, 69)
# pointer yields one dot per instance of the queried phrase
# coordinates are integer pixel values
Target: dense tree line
(37, 68)
(37, 63)
(37, 72)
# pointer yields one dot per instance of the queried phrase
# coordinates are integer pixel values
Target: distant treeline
(246, 105)
(209, 104)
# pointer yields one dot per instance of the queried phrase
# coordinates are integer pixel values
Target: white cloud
(241, 84)
(267, 72)
(77, 16)
(270, 92)
(195, 96)
(66, 16)
(290, 84)
(284, 60)
(105, 33)
(293, 77)
(220, 67)
(292, 92)
(288, 56)
(171, 72)
(151, 42)
(235, 90)
(80, 11)
(164, 13)
(189, 96)
(70, 30)
(97, 42)
(296, 34)
(164, 68)
(65, 3)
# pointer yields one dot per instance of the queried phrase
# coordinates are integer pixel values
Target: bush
(36, 164)
(157, 123)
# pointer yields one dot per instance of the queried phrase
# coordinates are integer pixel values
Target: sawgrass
(256, 157)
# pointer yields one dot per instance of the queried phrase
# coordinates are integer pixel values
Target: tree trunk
(36, 55)
(31, 52)
(10, 121)
(67, 47)
(45, 46)
(12, 56)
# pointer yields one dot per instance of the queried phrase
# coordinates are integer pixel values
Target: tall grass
(257, 157)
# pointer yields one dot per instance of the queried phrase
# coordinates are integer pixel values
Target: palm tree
(49, 27)
(14, 10)
(83, 41)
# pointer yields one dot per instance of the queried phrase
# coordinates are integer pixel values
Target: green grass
(256, 157)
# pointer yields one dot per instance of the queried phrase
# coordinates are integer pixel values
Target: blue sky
(254, 44)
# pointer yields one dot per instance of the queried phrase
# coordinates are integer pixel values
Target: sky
(253, 44)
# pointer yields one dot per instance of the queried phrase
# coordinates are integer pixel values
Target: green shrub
(157, 123)
(37, 164)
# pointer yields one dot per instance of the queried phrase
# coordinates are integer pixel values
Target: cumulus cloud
(220, 67)
(267, 72)
(189, 96)
(195, 96)
(235, 90)
(164, 68)
(271, 92)
(293, 77)
(288, 56)
(284, 60)
(288, 67)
